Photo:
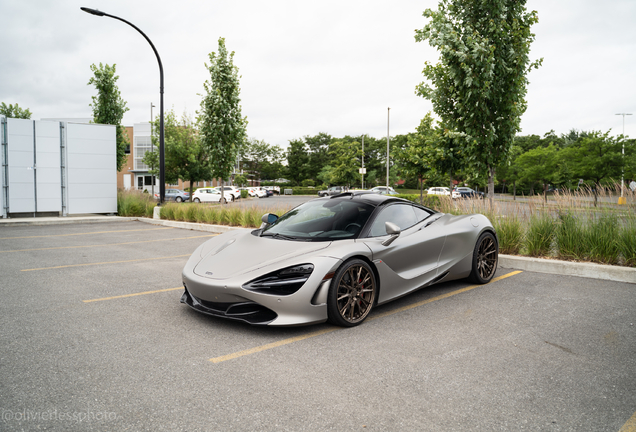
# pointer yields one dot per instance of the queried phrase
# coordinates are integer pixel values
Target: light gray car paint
(418, 257)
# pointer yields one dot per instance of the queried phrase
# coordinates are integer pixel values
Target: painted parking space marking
(331, 329)
(106, 262)
(630, 426)
(109, 244)
(86, 233)
(132, 295)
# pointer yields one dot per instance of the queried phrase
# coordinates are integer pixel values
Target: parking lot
(93, 337)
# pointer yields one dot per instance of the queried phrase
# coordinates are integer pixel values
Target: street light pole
(388, 112)
(162, 183)
(152, 149)
(622, 198)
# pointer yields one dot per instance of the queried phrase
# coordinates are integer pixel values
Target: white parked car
(383, 190)
(210, 195)
(439, 191)
(255, 192)
(275, 189)
(231, 189)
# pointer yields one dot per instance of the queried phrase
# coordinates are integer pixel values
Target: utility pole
(622, 199)
(388, 112)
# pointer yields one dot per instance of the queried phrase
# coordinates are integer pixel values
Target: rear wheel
(351, 294)
(485, 257)
(197, 200)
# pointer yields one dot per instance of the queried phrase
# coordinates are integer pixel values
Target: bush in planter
(244, 193)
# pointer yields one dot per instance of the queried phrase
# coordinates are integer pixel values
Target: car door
(411, 260)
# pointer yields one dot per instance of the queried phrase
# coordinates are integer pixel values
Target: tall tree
(345, 160)
(478, 87)
(14, 111)
(596, 157)
(109, 107)
(222, 125)
(540, 164)
(185, 157)
(297, 160)
(413, 159)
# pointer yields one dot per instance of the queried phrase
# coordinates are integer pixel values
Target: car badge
(209, 273)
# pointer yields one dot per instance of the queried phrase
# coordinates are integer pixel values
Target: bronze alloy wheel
(352, 294)
(485, 258)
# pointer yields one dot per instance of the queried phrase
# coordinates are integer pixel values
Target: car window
(400, 214)
(420, 214)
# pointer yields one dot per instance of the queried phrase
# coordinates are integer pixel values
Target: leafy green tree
(14, 111)
(185, 157)
(221, 122)
(596, 157)
(345, 160)
(257, 156)
(413, 158)
(478, 87)
(297, 160)
(447, 156)
(109, 107)
(540, 165)
(318, 151)
(240, 180)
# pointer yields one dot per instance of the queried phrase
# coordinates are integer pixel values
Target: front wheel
(351, 294)
(178, 199)
(485, 257)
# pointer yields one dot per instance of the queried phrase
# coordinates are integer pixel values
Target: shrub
(602, 239)
(509, 233)
(540, 235)
(627, 243)
(570, 237)
(307, 183)
(244, 193)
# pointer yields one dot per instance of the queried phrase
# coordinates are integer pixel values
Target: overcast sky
(306, 66)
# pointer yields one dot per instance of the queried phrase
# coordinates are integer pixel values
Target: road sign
(362, 170)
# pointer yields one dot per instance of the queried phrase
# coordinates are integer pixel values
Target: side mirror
(269, 218)
(393, 230)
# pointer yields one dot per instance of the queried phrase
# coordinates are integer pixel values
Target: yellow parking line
(330, 329)
(440, 297)
(630, 426)
(86, 233)
(106, 262)
(132, 295)
(109, 244)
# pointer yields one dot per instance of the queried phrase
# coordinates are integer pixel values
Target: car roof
(367, 197)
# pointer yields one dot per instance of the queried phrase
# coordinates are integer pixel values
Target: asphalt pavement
(94, 338)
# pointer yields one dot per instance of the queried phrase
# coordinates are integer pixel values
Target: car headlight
(281, 282)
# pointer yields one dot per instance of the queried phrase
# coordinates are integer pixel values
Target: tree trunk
(222, 194)
(491, 184)
(514, 190)
(545, 192)
(450, 174)
(190, 197)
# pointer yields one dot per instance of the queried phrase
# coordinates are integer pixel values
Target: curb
(569, 268)
(63, 220)
(189, 225)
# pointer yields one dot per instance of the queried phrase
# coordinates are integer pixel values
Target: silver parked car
(335, 258)
(175, 195)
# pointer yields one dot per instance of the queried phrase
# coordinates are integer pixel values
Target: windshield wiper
(283, 237)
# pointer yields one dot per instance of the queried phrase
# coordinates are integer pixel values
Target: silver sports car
(335, 258)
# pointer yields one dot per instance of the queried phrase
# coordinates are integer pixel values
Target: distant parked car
(231, 189)
(439, 191)
(333, 190)
(175, 195)
(383, 190)
(255, 192)
(210, 195)
(466, 192)
(275, 190)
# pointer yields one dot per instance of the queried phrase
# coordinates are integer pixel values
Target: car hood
(244, 253)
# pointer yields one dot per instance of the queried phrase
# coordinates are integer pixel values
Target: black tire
(352, 294)
(197, 200)
(178, 199)
(485, 258)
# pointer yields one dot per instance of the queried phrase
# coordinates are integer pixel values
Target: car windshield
(321, 220)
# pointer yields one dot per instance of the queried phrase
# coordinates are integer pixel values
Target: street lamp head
(92, 11)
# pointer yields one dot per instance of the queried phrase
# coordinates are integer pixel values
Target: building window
(142, 144)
